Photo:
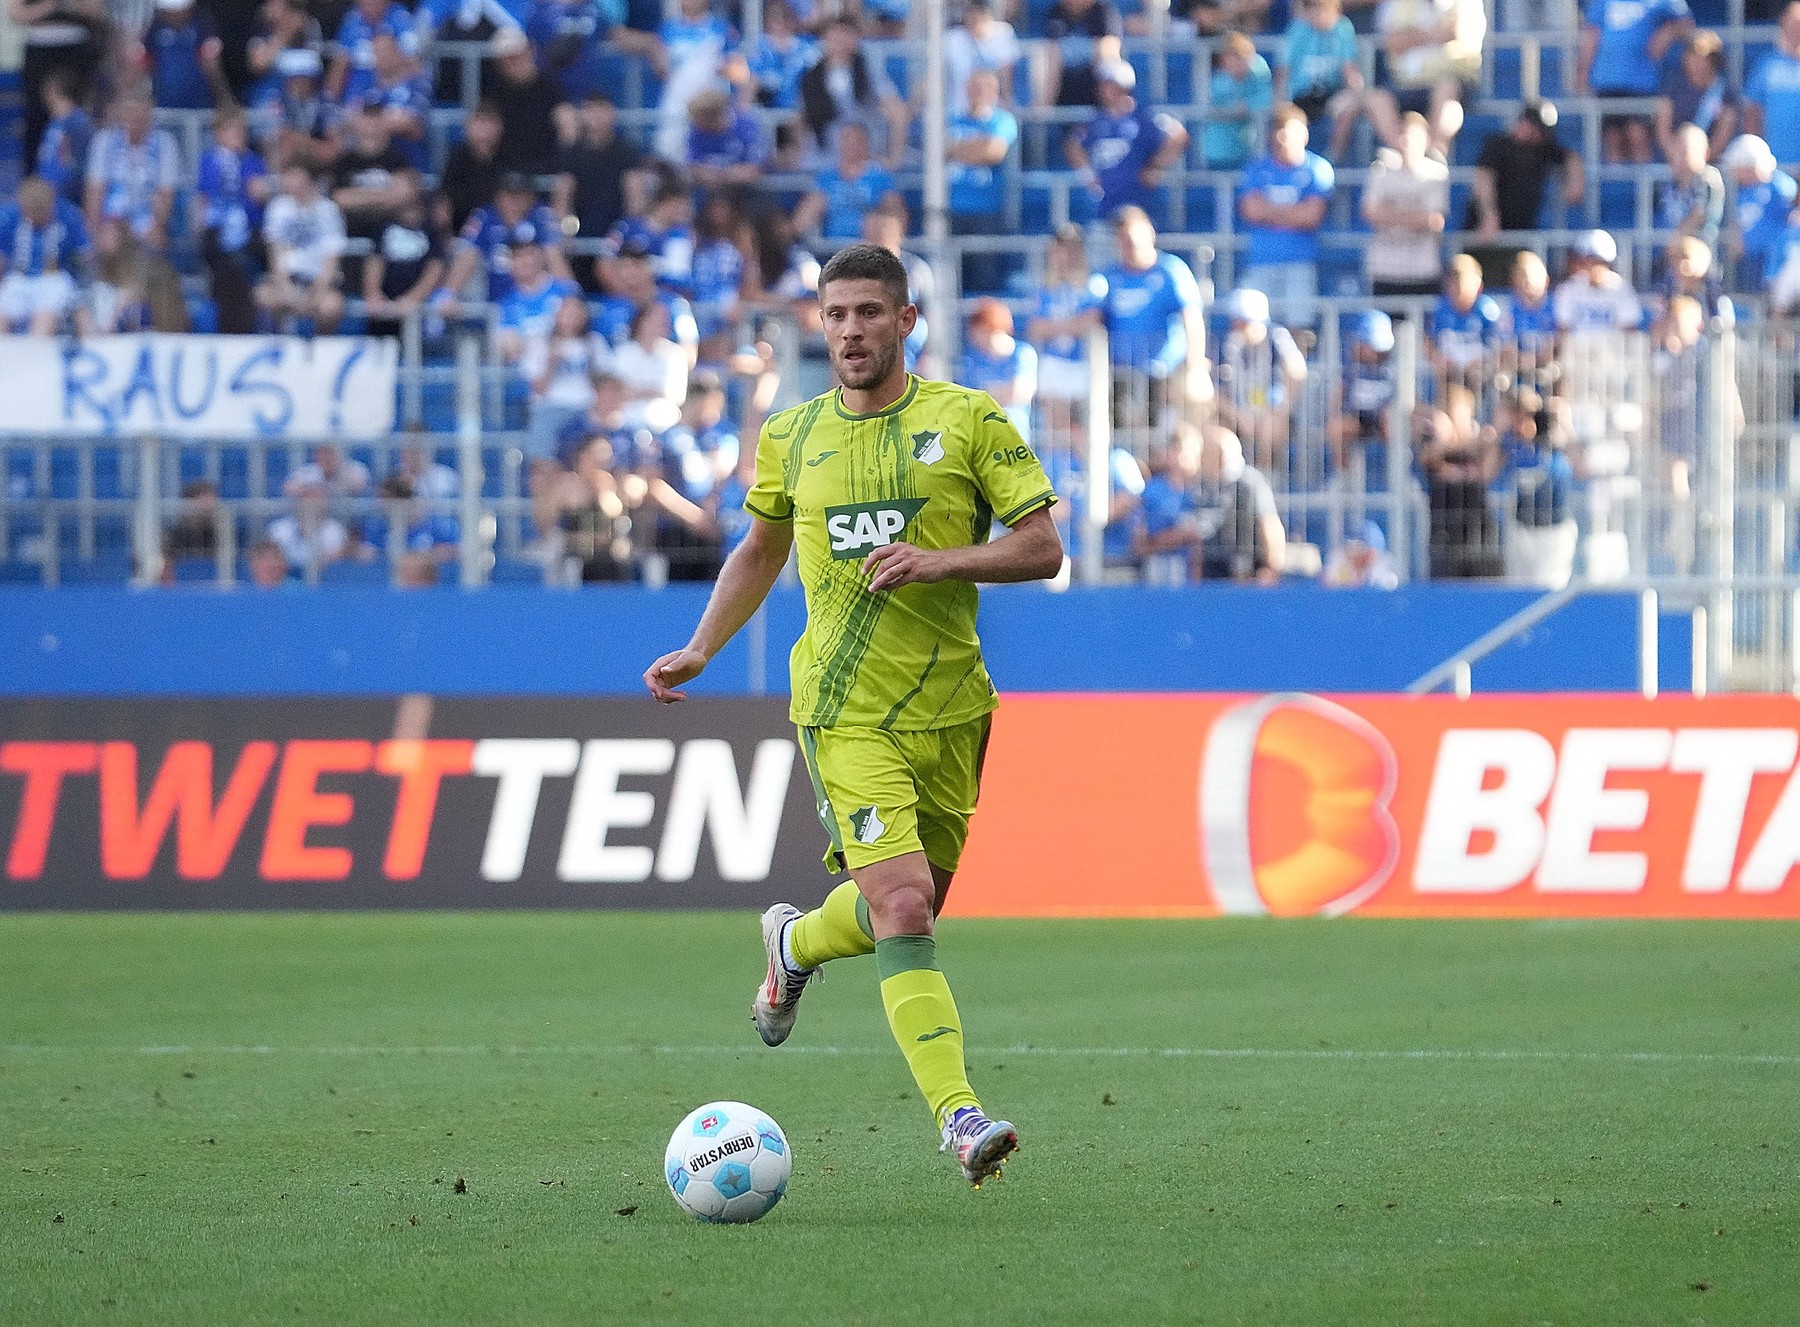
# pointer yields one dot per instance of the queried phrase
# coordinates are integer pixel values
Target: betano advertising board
(1116, 805)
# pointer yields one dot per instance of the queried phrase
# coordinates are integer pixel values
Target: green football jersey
(935, 469)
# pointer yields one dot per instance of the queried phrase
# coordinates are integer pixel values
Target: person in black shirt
(1509, 185)
(1073, 27)
(599, 180)
(534, 118)
(365, 183)
(472, 174)
(408, 263)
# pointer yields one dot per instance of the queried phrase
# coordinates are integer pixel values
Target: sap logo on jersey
(862, 526)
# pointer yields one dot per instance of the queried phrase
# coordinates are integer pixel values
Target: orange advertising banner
(1295, 805)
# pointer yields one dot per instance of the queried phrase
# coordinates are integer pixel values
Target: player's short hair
(868, 262)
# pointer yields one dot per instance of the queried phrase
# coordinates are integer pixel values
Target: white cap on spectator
(174, 4)
(299, 62)
(1598, 244)
(1747, 150)
(509, 41)
(1247, 306)
(1117, 71)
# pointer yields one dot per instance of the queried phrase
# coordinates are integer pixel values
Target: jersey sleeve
(768, 498)
(1005, 469)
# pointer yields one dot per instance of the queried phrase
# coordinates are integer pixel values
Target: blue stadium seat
(1618, 204)
(355, 573)
(1508, 81)
(105, 570)
(234, 472)
(109, 473)
(21, 573)
(64, 473)
(112, 532)
(510, 571)
(1202, 209)
(278, 468)
(493, 471)
(1553, 76)
(195, 571)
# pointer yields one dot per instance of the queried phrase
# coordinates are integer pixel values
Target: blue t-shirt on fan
(979, 190)
(984, 372)
(356, 39)
(1285, 185)
(1118, 149)
(1762, 217)
(487, 232)
(1622, 60)
(577, 34)
(1143, 314)
(717, 275)
(1061, 302)
(1775, 86)
(1315, 60)
(63, 153)
(847, 200)
(1163, 504)
(1463, 334)
(224, 188)
(177, 78)
(1531, 327)
(533, 312)
(36, 250)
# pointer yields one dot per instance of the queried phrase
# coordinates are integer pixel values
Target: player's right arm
(744, 582)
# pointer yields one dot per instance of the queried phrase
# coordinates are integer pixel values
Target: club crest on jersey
(866, 823)
(857, 529)
(928, 447)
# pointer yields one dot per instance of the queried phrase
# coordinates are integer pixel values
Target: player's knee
(903, 911)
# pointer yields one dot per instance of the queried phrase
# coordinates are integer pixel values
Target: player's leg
(864, 794)
(839, 927)
(922, 1013)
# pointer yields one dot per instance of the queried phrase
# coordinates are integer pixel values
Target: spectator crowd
(322, 166)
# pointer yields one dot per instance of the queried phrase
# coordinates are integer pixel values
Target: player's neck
(870, 400)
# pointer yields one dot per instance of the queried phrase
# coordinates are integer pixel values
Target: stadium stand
(1616, 411)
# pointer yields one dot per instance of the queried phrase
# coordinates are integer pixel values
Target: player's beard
(876, 368)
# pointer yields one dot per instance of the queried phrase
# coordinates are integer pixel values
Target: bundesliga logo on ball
(727, 1162)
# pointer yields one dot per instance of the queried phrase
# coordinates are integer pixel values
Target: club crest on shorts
(866, 823)
(928, 447)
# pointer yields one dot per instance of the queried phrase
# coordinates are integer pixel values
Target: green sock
(837, 928)
(922, 1016)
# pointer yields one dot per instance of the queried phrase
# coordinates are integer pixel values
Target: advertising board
(1118, 805)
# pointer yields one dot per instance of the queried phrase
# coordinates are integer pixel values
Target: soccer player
(889, 486)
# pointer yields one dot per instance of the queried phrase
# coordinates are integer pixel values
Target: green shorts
(883, 794)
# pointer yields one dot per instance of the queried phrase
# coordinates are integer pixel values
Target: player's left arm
(1015, 488)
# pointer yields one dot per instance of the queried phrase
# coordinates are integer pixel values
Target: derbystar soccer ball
(727, 1162)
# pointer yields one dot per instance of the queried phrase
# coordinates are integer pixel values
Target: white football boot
(778, 998)
(980, 1145)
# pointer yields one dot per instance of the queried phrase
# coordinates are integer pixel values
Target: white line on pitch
(1106, 1052)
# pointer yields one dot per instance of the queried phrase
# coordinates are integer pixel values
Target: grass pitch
(405, 1119)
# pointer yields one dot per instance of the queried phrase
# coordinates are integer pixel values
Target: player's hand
(894, 565)
(672, 671)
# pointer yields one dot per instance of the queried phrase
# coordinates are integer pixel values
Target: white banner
(218, 387)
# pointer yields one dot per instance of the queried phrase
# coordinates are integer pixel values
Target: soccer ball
(727, 1162)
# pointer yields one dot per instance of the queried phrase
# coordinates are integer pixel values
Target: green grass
(1545, 1177)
